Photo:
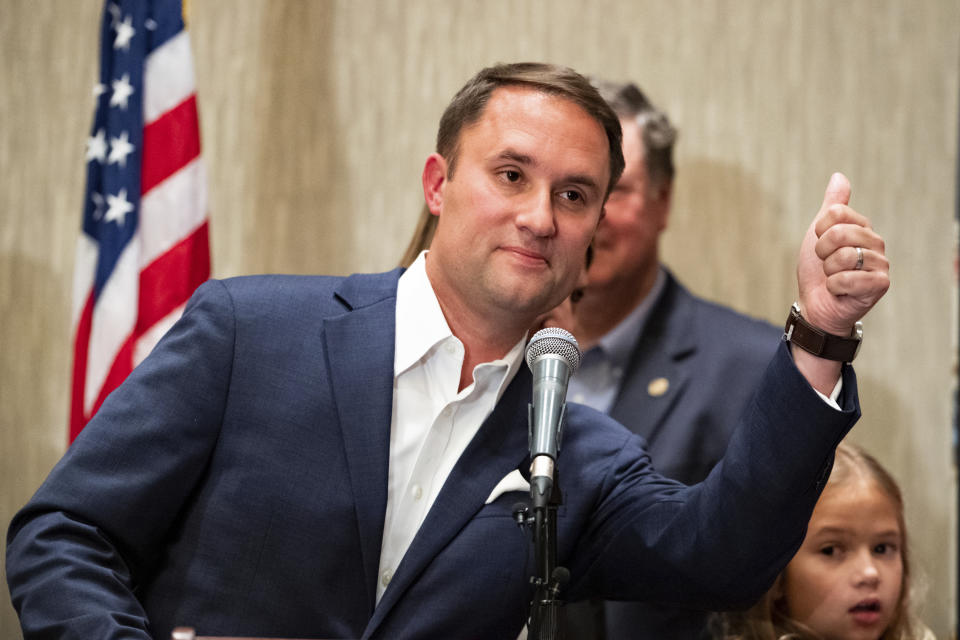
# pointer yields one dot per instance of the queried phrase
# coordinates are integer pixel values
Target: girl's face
(845, 581)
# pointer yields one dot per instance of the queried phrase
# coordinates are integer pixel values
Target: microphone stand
(546, 620)
(552, 355)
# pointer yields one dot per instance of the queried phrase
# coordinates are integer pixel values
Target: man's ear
(433, 178)
(664, 195)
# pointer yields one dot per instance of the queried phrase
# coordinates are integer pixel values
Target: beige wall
(316, 118)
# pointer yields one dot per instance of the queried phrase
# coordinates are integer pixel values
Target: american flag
(144, 243)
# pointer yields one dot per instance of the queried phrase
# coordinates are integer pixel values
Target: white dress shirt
(432, 421)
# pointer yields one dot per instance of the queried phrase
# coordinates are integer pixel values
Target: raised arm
(841, 273)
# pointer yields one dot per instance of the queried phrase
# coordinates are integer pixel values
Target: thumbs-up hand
(842, 270)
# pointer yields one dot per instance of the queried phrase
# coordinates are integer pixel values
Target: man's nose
(536, 213)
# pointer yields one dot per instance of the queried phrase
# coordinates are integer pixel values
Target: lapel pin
(658, 387)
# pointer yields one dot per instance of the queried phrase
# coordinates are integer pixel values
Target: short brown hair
(468, 104)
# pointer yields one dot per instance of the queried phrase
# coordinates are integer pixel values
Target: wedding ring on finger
(859, 264)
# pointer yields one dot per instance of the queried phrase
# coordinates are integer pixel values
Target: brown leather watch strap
(820, 343)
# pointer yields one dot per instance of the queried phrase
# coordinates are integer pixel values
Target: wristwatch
(820, 343)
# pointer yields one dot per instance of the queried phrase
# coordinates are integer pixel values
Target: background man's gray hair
(657, 133)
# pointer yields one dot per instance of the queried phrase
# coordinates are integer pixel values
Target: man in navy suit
(338, 457)
(652, 358)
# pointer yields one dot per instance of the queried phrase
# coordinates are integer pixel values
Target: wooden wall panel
(48, 64)
(317, 116)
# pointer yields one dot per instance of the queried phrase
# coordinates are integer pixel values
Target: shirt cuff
(834, 395)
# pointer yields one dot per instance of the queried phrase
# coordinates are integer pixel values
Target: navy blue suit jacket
(237, 483)
(713, 359)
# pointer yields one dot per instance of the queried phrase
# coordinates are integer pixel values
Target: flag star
(97, 146)
(118, 207)
(150, 24)
(125, 32)
(120, 148)
(97, 205)
(98, 90)
(122, 90)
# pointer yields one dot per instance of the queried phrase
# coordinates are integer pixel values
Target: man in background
(672, 367)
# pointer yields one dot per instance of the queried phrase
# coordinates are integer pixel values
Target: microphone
(552, 355)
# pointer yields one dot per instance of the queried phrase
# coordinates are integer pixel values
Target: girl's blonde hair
(768, 619)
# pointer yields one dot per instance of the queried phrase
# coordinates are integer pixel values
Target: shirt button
(417, 492)
(385, 577)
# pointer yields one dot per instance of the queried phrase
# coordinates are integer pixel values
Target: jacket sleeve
(78, 550)
(720, 543)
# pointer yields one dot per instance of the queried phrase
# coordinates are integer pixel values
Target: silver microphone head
(556, 341)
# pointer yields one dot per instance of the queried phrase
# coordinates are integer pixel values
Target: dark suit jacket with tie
(237, 483)
(712, 359)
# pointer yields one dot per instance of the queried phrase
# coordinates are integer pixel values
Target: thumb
(838, 191)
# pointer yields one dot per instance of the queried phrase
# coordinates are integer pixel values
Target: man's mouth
(528, 255)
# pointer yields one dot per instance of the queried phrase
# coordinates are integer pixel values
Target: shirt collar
(421, 325)
(618, 343)
(420, 322)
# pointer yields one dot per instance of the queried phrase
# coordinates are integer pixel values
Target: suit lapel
(656, 374)
(499, 447)
(360, 349)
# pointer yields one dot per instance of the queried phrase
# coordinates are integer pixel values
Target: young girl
(850, 578)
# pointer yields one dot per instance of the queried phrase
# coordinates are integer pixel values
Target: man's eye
(828, 550)
(511, 175)
(572, 196)
(884, 547)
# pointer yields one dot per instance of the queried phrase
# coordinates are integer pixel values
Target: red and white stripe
(169, 255)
